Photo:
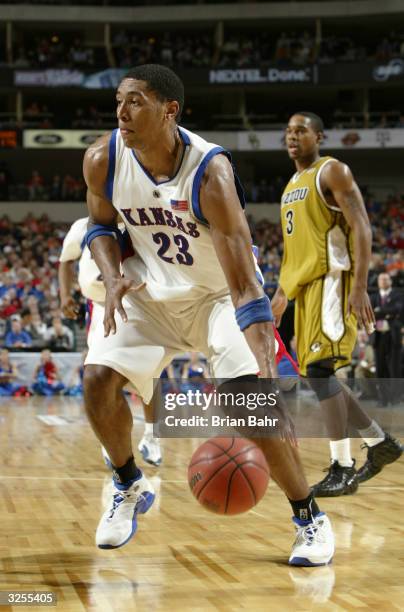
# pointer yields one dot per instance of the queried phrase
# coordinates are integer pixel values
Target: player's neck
(305, 163)
(162, 158)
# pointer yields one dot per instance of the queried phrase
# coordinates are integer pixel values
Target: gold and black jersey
(316, 236)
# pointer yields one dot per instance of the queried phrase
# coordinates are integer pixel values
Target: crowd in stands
(58, 51)
(65, 188)
(30, 315)
(42, 116)
(91, 118)
(185, 49)
(344, 49)
(378, 120)
(264, 190)
(179, 50)
(244, 51)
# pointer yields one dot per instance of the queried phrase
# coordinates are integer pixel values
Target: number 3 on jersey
(183, 256)
(289, 222)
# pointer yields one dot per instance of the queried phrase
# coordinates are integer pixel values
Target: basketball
(228, 475)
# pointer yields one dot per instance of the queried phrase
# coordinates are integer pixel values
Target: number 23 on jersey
(183, 256)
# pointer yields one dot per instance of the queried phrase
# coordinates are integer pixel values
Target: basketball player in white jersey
(182, 208)
(91, 286)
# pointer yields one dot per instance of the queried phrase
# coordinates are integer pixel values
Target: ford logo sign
(48, 138)
(394, 68)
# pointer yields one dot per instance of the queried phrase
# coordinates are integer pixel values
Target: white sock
(341, 452)
(373, 434)
(148, 429)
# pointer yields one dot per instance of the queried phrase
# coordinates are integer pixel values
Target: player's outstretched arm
(105, 248)
(71, 252)
(337, 179)
(232, 241)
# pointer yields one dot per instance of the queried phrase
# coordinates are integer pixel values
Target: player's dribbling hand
(116, 288)
(70, 308)
(359, 304)
(286, 427)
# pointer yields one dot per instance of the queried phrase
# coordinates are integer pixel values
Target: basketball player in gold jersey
(327, 247)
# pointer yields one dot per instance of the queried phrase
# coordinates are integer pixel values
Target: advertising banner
(364, 73)
(104, 79)
(49, 78)
(243, 141)
(60, 139)
(313, 74)
(334, 139)
(271, 75)
(391, 71)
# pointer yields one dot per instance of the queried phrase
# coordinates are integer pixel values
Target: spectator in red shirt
(7, 309)
(46, 376)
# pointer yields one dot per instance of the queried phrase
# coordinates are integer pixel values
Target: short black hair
(162, 81)
(316, 121)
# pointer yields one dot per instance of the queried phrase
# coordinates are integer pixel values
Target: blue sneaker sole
(141, 508)
(303, 562)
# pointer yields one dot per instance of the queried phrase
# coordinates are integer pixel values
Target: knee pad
(323, 380)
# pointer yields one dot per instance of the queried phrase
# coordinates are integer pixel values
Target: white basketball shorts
(153, 335)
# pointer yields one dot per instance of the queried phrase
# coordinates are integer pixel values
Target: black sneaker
(378, 456)
(339, 481)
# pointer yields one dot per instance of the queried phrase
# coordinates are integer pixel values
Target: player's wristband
(103, 230)
(256, 311)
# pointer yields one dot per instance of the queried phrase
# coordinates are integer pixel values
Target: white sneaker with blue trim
(150, 450)
(119, 523)
(314, 544)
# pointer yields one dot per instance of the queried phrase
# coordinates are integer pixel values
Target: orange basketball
(228, 475)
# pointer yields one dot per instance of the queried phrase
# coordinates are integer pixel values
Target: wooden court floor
(52, 486)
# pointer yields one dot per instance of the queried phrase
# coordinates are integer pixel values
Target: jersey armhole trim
(109, 187)
(196, 185)
(318, 186)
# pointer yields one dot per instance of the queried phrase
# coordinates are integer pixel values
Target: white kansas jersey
(164, 220)
(89, 276)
